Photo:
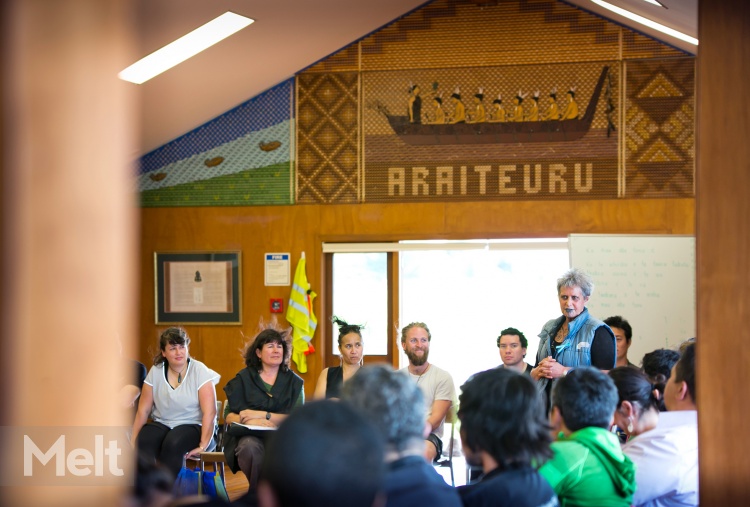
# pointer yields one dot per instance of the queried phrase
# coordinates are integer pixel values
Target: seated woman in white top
(663, 445)
(179, 396)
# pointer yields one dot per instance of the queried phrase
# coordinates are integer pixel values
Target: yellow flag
(300, 315)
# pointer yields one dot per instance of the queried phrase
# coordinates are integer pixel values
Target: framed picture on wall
(198, 287)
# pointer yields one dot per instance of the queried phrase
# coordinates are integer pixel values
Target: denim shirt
(576, 349)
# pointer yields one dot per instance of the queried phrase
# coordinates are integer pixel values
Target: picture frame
(198, 288)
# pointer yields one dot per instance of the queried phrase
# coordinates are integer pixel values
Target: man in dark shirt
(512, 345)
(504, 430)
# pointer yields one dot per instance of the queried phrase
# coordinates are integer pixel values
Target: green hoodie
(588, 469)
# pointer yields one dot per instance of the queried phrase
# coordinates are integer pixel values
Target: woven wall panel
(635, 45)
(659, 134)
(328, 138)
(240, 158)
(463, 33)
(526, 166)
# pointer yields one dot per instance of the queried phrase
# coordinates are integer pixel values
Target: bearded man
(436, 384)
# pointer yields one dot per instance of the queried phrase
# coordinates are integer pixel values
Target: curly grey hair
(575, 277)
(391, 401)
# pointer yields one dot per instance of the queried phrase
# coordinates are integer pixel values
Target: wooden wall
(723, 253)
(257, 230)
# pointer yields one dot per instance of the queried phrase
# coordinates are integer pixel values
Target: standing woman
(262, 394)
(574, 339)
(180, 397)
(351, 353)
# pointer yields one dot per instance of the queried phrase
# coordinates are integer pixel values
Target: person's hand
(195, 453)
(246, 415)
(547, 366)
(555, 369)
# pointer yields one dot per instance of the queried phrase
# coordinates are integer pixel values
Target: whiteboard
(647, 280)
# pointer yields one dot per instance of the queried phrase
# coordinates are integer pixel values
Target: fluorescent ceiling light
(185, 47)
(647, 22)
(654, 2)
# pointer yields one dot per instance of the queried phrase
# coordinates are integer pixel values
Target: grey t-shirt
(436, 384)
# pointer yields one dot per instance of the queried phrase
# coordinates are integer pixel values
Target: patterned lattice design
(637, 46)
(345, 60)
(243, 157)
(267, 109)
(328, 138)
(548, 169)
(461, 33)
(660, 128)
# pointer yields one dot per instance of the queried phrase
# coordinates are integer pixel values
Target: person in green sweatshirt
(587, 469)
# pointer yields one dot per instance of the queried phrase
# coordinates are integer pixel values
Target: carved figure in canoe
(569, 127)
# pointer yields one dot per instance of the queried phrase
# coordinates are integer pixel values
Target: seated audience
(657, 365)
(638, 401)
(179, 396)
(132, 384)
(324, 454)
(512, 345)
(587, 469)
(503, 430)
(623, 338)
(351, 353)
(666, 457)
(395, 405)
(262, 394)
(436, 384)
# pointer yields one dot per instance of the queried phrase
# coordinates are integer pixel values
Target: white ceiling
(287, 36)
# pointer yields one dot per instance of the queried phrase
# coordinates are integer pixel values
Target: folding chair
(450, 418)
(216, 456)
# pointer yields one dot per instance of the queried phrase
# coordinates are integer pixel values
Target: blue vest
(576, 349)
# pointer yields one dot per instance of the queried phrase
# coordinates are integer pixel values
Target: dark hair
(684, 370)
(585, 397)
(151, 478)
(621, 323)
(267, 335)
(319, 448)
(657, 365)
(346, 328)
(171, 336)
(514, 331)
(634, 386)
(391, 401)
(502, 414)
(415, 324)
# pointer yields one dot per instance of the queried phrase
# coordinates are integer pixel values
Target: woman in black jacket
(260, 396)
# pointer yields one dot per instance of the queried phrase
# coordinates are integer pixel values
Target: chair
(216, 456)
(447, 462)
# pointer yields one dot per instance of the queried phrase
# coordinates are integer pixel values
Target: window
(465, 291)
(466, 297)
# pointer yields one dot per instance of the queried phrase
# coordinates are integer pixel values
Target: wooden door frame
(391, 356)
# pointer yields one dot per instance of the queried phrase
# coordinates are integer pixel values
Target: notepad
(254, 427)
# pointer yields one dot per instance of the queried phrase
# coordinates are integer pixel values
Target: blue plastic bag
(188, 481)
(213, 486)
